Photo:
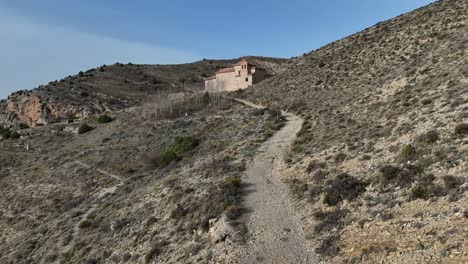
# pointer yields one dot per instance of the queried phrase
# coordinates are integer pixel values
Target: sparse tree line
(167, 105)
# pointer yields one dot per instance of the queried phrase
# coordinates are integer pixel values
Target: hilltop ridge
(112, 88)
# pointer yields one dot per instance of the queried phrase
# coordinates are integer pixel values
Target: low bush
(23, 126)
(389, 173)
(340, 157)
(234, 181)
(429, 137)
(230, 189)
(156, 250)
(408, 152)
(298, 188)
(14, 135)
(419, 192)
(233, 212)
(166, 158)
(319, 176)
(314, 192)
(84, 224)
(223, 196)
(314, 165)
(84, 128)
(343, 187)
(329, 246)
(176, 150)
(461, 129)
(426, 189)
(402, 177)
(426, 101)
(5, 133)
(329, 220)
(104, 119)
(451, 182)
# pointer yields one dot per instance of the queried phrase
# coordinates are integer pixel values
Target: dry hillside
(112, 88)
(381, 166)
(130, 190)
(378, 172)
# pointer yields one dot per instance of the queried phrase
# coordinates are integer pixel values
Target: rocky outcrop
(49, 105)
(33, 111)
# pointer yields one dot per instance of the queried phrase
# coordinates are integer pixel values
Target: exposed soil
(275, 232)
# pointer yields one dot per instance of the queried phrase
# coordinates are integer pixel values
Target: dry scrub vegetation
(380, 165)
(180, 174)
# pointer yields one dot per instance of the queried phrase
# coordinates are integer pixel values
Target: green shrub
(104, 119)
(426, 189)
(84, 224)
(343, 187)
(408, 152)
(461, 129)
(389, 172)
(429, 137)
(84, 128)
(166, 158)
(408, 175)
(176, 150)
(329, 220)
(23, 126)
(419, 192)
(14, 135)
(233, 212)
(451, 182)
(426, 101)
(5, 133)
(234, 181)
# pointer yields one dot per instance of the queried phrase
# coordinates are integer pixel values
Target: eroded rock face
(33, 111)
(40, 108)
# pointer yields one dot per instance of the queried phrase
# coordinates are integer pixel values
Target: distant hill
(112, 88)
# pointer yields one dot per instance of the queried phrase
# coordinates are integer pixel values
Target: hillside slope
(112, 88)
(384, 146)
(134, 190)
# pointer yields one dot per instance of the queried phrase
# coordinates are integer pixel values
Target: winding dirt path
(67, 246)
(276, 233)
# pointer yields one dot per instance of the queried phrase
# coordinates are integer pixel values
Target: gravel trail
(276, 233)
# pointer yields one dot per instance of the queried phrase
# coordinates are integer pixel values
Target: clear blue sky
(46, 40)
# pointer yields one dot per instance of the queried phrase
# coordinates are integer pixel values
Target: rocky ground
(380, 167)
(137, 190)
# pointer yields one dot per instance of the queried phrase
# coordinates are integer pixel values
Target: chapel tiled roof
(225, 70)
